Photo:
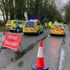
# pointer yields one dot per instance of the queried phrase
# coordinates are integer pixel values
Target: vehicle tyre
(38, 32)
(17, 30)
(24, 33)
(50, 34)
(11, 30)
(64, 35)
(21, 30)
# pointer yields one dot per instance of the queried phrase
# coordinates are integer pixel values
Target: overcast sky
(61, 3)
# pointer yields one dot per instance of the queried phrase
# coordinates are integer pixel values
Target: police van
(33, 26)
(15, 25)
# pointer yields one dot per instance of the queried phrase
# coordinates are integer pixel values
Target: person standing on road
(50, 24)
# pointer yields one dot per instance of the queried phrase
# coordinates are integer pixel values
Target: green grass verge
(3, 28)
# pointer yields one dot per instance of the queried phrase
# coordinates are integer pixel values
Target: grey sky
(61, 3)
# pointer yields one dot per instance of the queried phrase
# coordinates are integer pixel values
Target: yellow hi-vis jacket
(50, 24)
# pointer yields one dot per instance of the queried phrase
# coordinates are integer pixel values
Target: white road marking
(61, 59)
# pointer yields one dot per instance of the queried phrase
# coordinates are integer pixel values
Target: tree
(20, 8)
(7, 9)
(4, 9)
(14, 9)
(67, 13)
(52, 12)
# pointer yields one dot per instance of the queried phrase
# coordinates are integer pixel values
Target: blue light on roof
(29, 17)
(32, 20)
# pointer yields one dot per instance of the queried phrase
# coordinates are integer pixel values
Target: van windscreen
(29, 24)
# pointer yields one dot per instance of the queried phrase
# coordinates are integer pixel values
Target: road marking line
(61, 59)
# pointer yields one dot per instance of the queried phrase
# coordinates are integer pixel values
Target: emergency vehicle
(57, 29)
(33, 26)
(15, 25)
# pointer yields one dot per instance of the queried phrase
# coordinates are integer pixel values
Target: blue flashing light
(32, 20)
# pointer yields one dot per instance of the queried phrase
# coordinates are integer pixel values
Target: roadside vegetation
(67, 13)
(42, 9)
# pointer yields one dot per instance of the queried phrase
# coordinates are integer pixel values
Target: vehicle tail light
(52, 29)
(62, 29)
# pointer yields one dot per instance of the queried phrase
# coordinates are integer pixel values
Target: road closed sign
(11, 40)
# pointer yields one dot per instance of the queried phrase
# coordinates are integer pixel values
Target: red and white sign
(11, 40)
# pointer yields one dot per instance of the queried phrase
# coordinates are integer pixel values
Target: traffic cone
(40, 65)
(40, 58)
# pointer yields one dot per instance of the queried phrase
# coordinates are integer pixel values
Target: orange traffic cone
(40, 65)
(40, 58)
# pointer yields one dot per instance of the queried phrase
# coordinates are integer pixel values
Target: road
(52, 51)
(30, 39)
(51, 54)
(6, 54)
(66, 61)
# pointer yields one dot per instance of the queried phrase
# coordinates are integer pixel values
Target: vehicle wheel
(64, 35)
(24, 33)
(21, 30)
(11, 31)
(50, 34)
(38, 32)
(17, 30)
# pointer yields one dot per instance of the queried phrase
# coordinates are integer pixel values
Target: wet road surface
(51, 54)
(30, 39)
(66, 62)
(52, 51)
(7, 54)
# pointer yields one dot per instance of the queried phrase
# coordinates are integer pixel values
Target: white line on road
(61, 58)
